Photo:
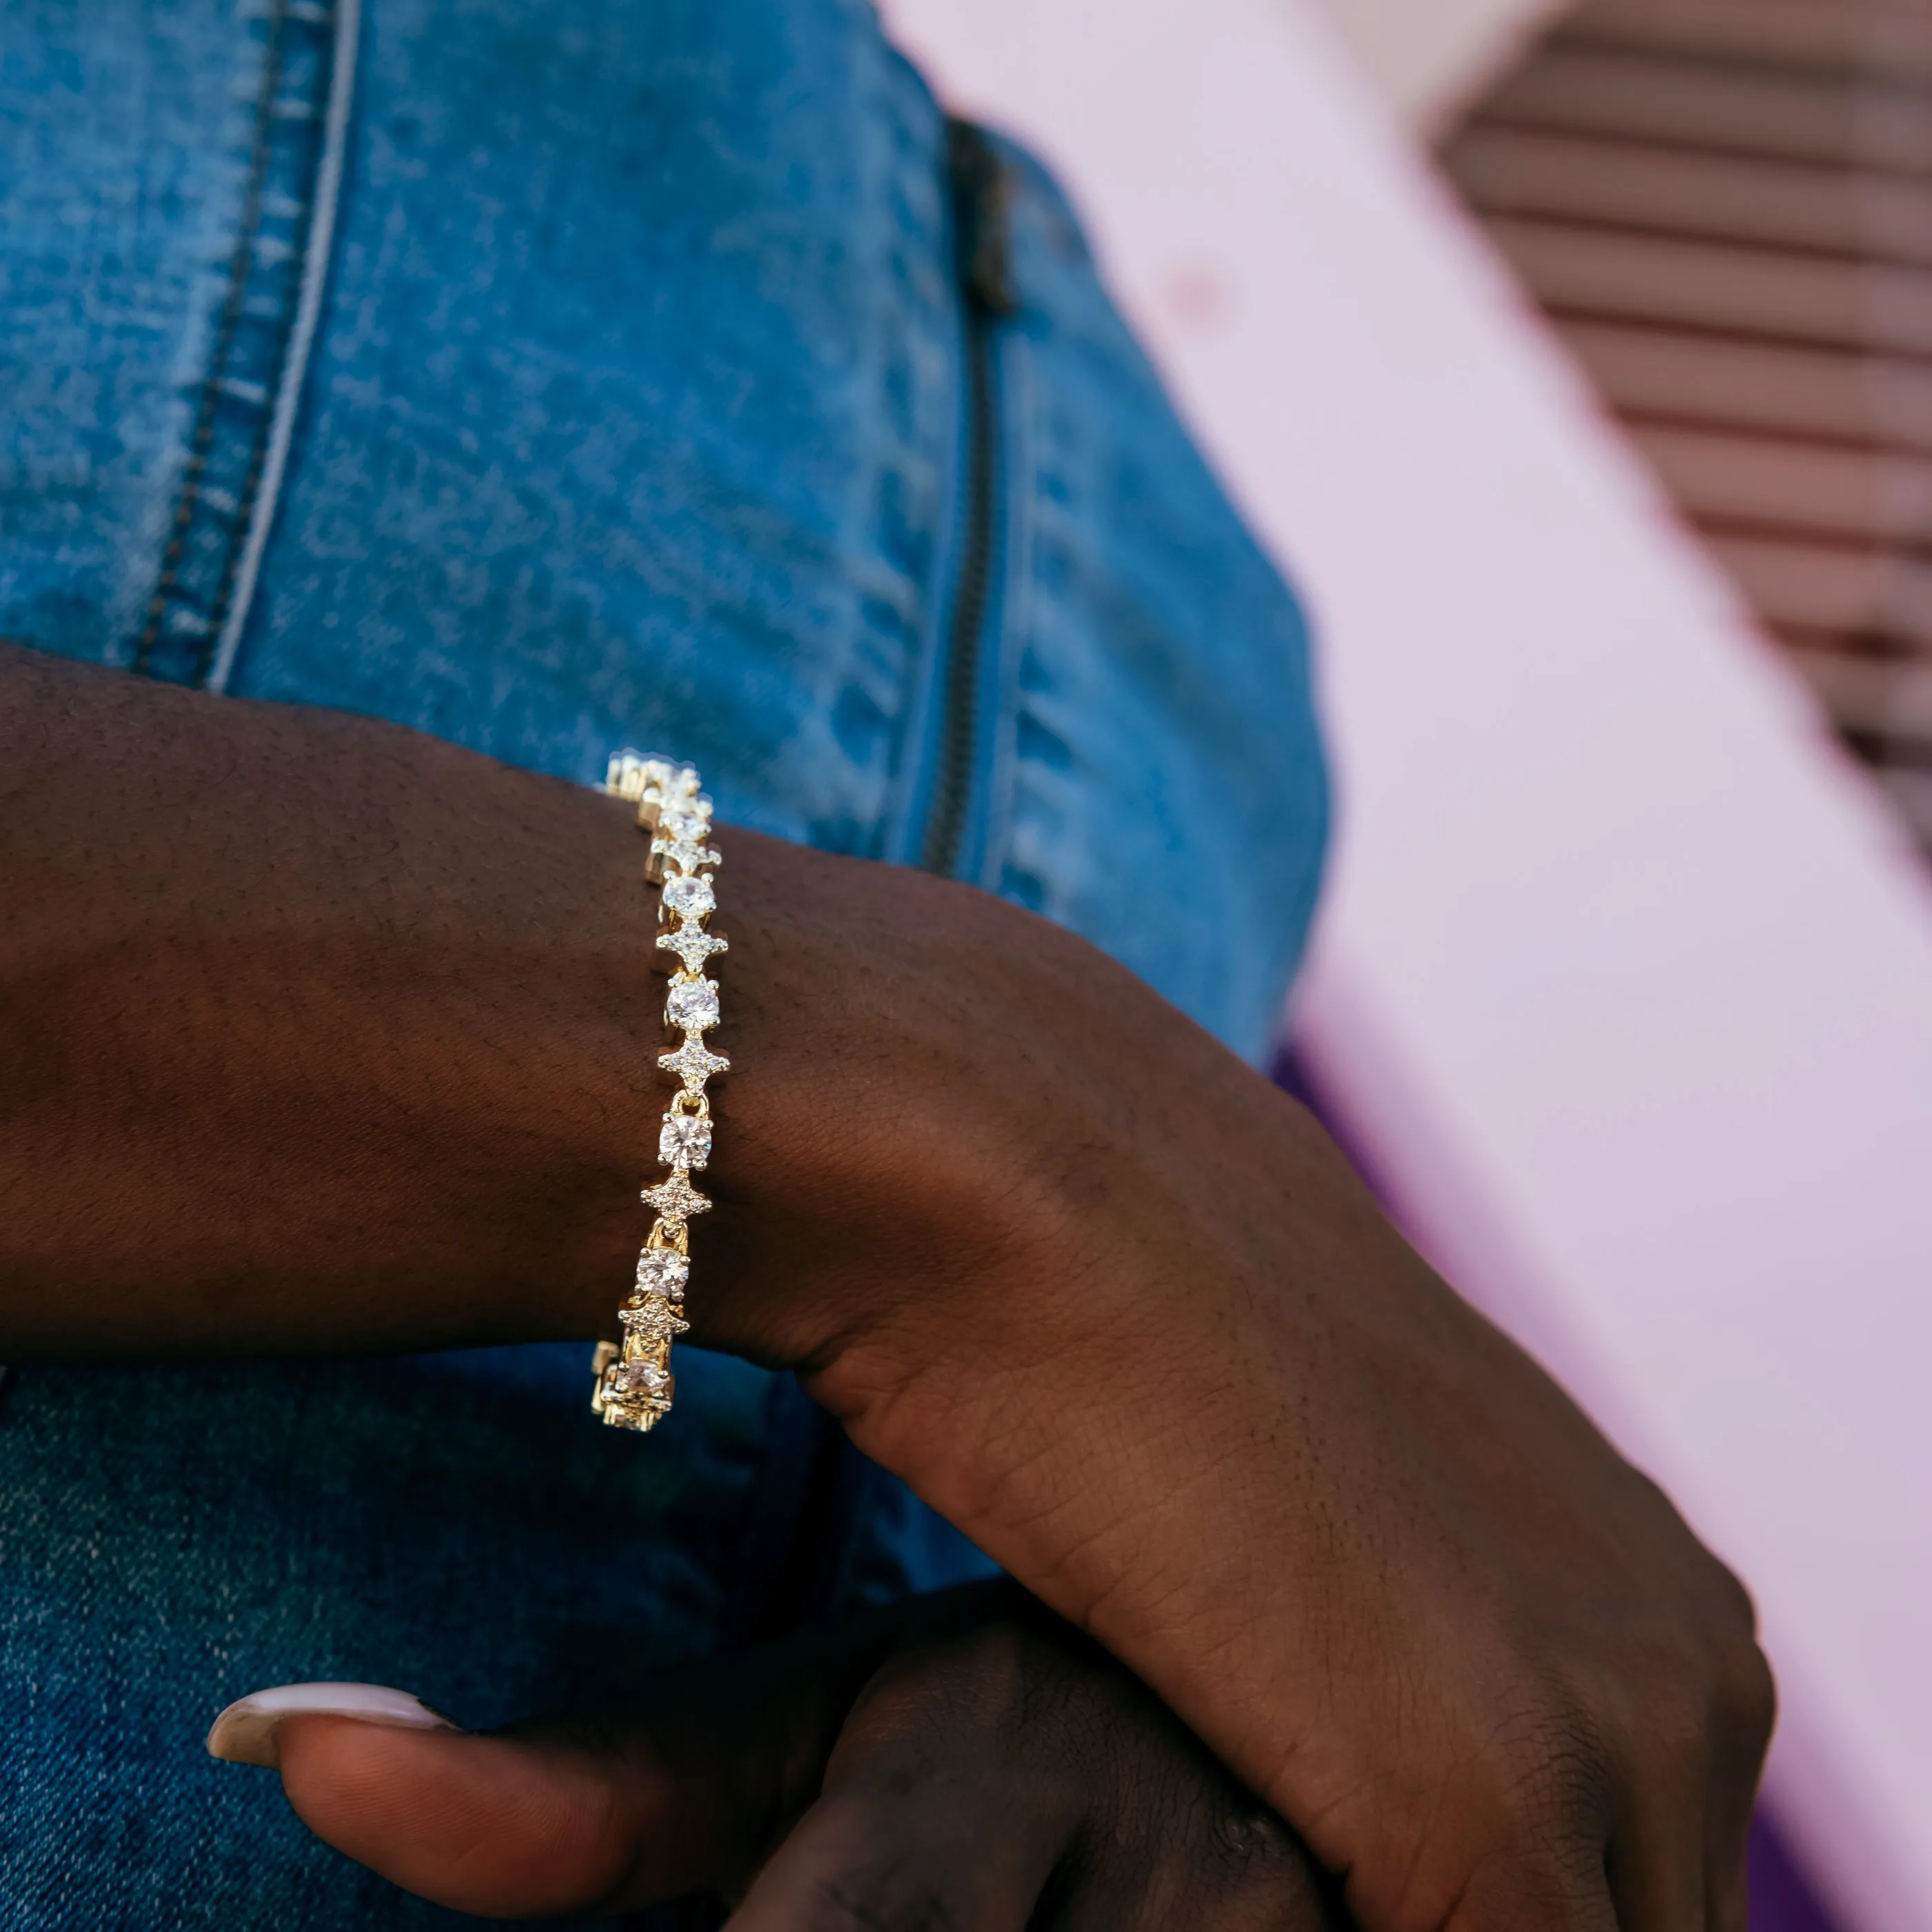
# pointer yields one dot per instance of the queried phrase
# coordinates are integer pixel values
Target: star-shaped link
(686, 854)
(693, 945)
(676, 1200)
(694, 1063)
(652, 1322)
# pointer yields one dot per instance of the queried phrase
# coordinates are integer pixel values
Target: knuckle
(1551, 1765)
(1007, 1695)
(1744, 1693)
(1533, 1809)
(1747, 1697)
(890, 1899)
(1237, 1867)
(1701, 1690)
(984, 1680)
(1737, 1599)
(1669, 1705)
(1253, 1846)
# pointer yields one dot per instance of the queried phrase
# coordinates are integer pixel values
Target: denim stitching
(915, 460)
(236, 412)
(295, 360)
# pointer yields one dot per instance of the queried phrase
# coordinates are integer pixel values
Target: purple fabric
(1781, 1897)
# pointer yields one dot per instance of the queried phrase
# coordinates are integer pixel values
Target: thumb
(610, 1813)
(502, 1827)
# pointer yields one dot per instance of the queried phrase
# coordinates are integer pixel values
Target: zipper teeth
(979, 190)
(946, 826)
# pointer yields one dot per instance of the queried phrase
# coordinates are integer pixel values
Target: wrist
(938, 1134)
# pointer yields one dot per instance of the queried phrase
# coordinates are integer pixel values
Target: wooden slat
(1780, 204)
(1635, 98)
(1892, 45)
(1850, 594)
(1703, 285)
(1911, 792)
(1725, 207)
(1875, 697)
(1650, 373)
(1871, 497)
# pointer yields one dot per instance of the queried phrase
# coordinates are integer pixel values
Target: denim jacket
(550, 378)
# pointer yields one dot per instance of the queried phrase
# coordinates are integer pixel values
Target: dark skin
(968, 1763)
(321, 1035)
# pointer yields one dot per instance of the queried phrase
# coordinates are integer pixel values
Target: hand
(333, 1037)
(969, 1762)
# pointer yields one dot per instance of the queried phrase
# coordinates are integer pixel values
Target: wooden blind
(1725, 206)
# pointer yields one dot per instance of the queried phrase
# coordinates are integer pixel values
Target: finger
(1532, 1892)
(499, 1827)
(608, 1812)
(1007, 1776)
(908, 1848)
(1236, 1868)
(969, 1856)
(951, 1794)
(1747, 1710)
(1656, 1863)
(1677, 1853)
(1550, 1809)
(1655, 1857)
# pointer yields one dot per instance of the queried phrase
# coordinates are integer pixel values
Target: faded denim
(637, 409)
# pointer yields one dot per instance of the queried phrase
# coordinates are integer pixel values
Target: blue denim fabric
(638, 409)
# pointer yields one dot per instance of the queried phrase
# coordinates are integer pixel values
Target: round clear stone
(692, 1003)
(690, 896)
(684, 1141)
(663, 1271)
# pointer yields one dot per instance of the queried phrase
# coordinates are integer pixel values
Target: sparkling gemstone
(663, 1271)
(687, 855)
(652, 1322)
(639, 1378)
(692, 1004)
(692, 944)
(691, 897)
(676, 1199)
(684, 1140)
(694, 1064)
(685, 827)
(634, 776)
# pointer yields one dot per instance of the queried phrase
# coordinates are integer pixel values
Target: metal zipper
(977, 179)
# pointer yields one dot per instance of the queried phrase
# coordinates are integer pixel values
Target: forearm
(310, 1027)
(318, 1033)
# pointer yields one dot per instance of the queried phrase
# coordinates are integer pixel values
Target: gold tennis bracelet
(634, 1384)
